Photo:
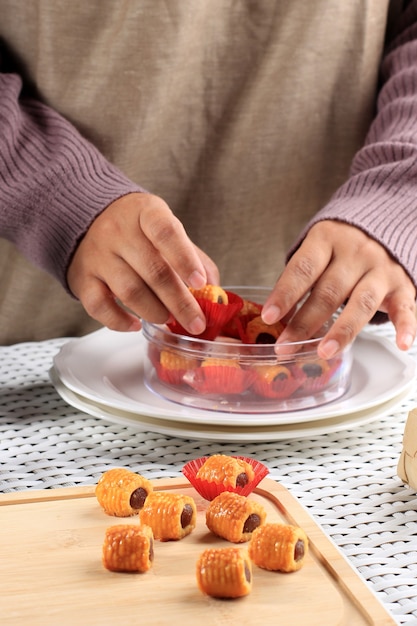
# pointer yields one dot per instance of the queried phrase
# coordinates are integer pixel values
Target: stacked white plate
(102, 374)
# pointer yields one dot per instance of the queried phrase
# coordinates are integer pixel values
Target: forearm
(379, 196)
(53, 183)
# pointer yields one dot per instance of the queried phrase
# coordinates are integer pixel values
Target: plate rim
(237, 434)
(171, 410)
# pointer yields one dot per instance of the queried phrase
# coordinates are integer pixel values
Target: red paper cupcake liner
(217, 316)
(232, 328)
(219, 379)
(210, 490)
(237, 326)
(170, 376)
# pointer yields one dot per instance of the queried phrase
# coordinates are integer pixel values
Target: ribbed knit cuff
(53, 182)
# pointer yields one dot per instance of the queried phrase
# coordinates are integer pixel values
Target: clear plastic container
(228, 375)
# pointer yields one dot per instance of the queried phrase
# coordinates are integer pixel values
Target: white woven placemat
(346, 480)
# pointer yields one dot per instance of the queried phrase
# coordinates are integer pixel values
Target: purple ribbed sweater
(380, 196)
(53, 183)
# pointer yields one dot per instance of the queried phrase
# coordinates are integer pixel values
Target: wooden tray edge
(325, 550)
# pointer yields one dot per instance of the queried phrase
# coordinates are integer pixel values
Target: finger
(297, 279)
(101, 305)
(212, 271)
(157, 294)
(329, 293)
(168, 236)
(362, 305)
(402, 312)
(113, 279)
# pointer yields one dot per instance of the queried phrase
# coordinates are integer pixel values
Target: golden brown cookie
(224, 572)
(273, 373)
(213, 293)
(226, 470)
(174, 361)
(259, 332)
(121, 492)
(171, 516)
(278, 547)
(314, 368)
(128, 548)
(234, 517)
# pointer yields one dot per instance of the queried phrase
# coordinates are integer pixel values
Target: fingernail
(271, 315)
(197, 280)
(197, 326)
(406, 341)
(329, 349)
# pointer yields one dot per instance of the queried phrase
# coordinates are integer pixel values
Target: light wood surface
(51, 572)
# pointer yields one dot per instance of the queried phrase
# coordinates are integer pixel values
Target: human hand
(339, 263)
(137, 253)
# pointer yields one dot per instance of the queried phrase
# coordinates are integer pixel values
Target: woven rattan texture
(346, 480)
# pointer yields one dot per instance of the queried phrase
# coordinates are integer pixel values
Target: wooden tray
(51, 571)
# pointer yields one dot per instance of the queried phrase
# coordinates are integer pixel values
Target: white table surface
(347, 481)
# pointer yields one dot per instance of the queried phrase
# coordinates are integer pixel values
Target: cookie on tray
(121, 492)
(128, 548)
(278, 547)
(224, 572)
(171, 516)
(234, 517)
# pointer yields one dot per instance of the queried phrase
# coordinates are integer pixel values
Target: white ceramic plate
(224, 433)
(106, 367)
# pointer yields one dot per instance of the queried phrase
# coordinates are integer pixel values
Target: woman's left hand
(338, 263)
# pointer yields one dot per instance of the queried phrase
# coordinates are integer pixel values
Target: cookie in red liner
(172, 367)
(220, 376)
(256, 331)
(318, 373)
(210, 489)
(217, 314)
(237, 325)
(208, 390)
(277, 381)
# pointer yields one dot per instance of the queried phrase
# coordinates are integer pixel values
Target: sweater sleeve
(380, 195)
(53, 182)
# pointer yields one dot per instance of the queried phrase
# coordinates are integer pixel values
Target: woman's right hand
(137, 253)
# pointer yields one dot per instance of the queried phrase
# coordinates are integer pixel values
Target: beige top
(243, 116)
